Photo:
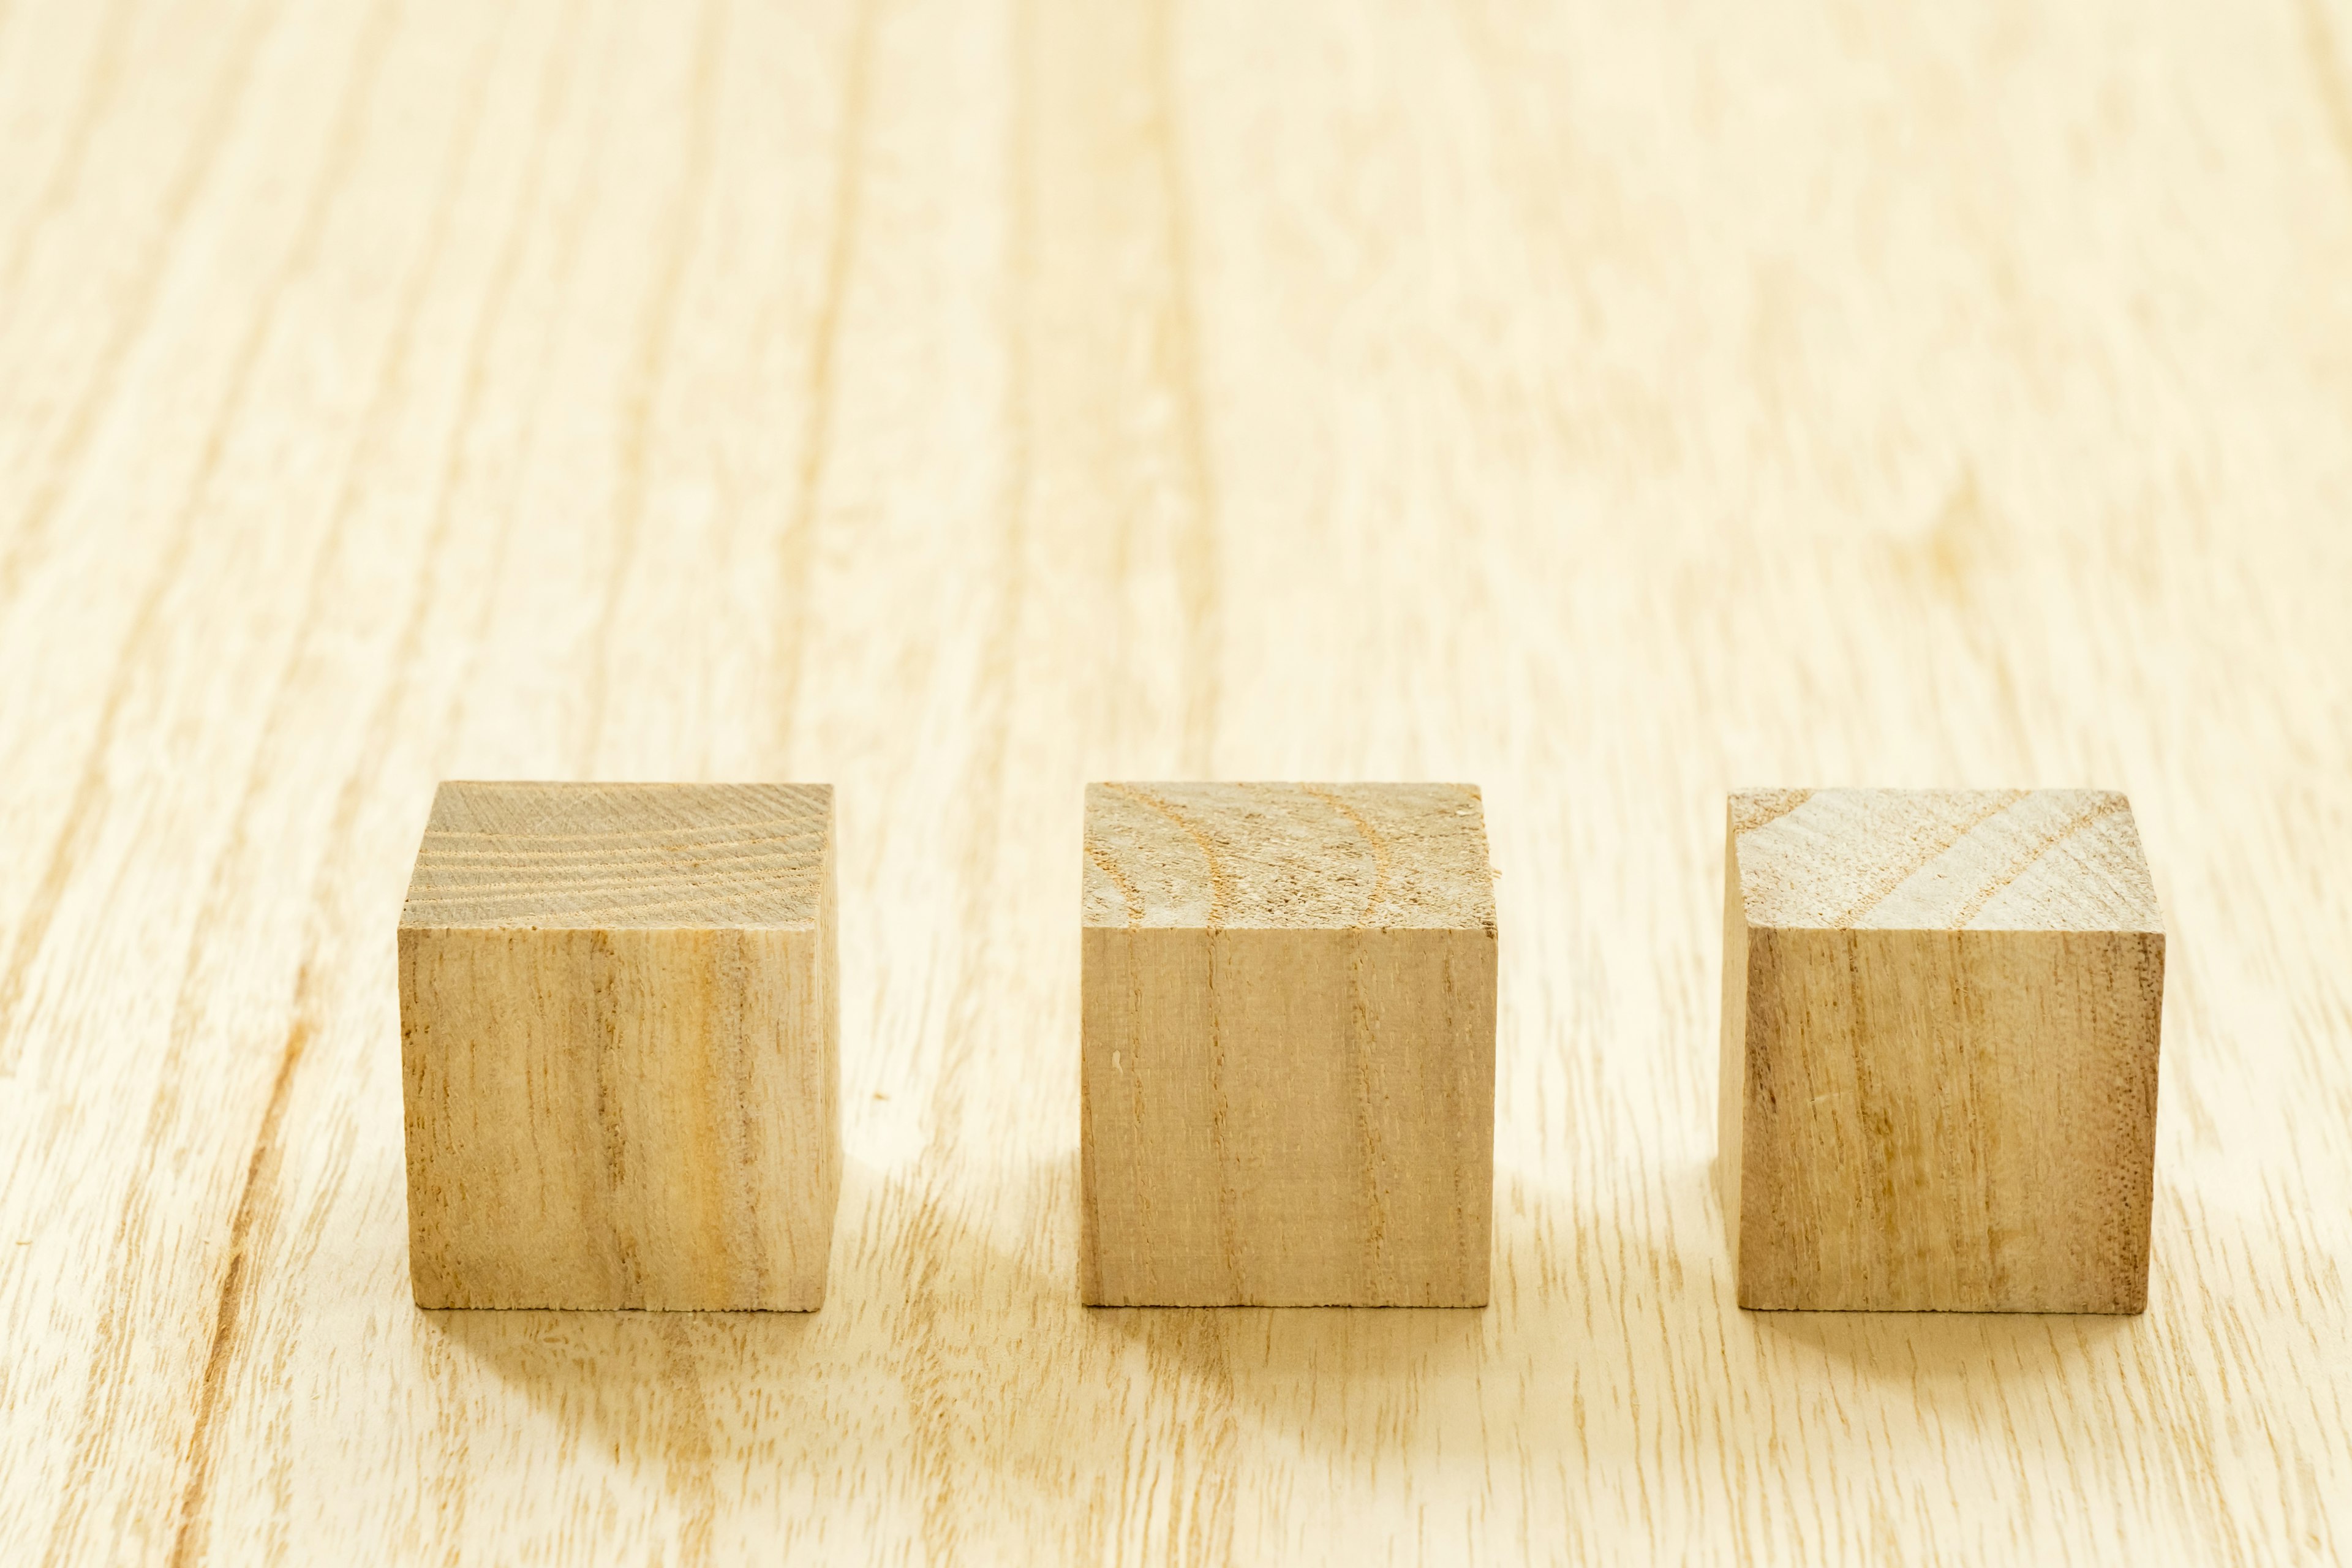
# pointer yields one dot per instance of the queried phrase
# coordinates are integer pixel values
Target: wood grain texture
(620, 1042)
(1612, 405)
(1941, 1041)
(1286, 1045)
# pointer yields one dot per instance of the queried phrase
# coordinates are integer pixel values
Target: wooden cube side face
(1949, 1120)
(1287, 1117)
(620, 1118)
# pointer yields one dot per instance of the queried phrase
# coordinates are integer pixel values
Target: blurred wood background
(1609, 406)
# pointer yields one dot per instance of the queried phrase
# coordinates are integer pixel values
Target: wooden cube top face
(1287, 856)
(614, 856)
(1288, 1082)
(1888, 859)
(1941, 1035)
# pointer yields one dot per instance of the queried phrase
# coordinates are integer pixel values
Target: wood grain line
(1000, 647)
(1221, 1113)
(799, 543)
(1379, 846)
(1221, 898)
(685, 887)
(687, 851)
(1360, 1023)
(1129, 893)
(1375, 1259)
(691, 1450)
(1221, 881)
(1754, 816)
(97, 98)
(199, 158)
(533, 844)
(475, 876)
(2328, 82)
(1198, 563)
(147, 624)
(600, 1202)
(631, 909)
(568, 250)
(936, 1432)
(680, 229)
(2110, 806)
(1903, 870)
(256, 1197)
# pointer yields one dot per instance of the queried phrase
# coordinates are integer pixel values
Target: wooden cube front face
(1940, 1032)
(1288, 1070)
(619, 1019)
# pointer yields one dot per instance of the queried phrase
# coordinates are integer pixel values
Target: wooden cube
(1288, 1070)
(618, 1021)
(1939, 1037)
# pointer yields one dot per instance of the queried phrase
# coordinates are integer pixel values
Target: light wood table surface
(1607, 405)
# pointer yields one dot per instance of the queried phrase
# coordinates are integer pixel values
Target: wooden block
(618, 1017)
(1288, 1072)
(1940, 1039)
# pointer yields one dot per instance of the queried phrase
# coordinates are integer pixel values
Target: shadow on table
(952, 1347)
(637, 1380)
(1923, 1347)
(1387, 1383)
(953, 1333)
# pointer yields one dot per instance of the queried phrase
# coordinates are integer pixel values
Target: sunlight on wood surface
(1608, 405)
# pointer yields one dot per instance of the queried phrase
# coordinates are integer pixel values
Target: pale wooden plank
(1615, 406)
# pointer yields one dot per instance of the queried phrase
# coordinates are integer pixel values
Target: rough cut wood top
(1878, 860)
(644, 856)
(1288, 856)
